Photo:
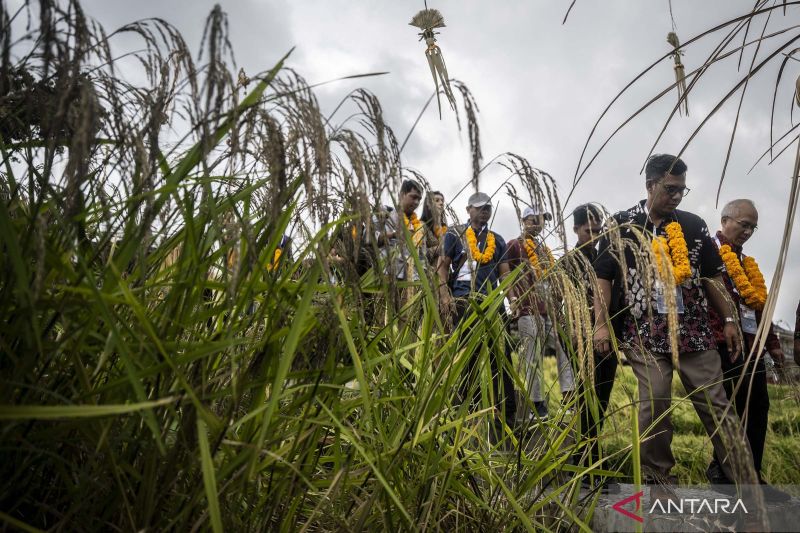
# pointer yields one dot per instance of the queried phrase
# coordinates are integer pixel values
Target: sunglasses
(673, 190)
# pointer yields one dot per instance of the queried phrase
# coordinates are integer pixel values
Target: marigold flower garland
(746, 276)
(275, 258)
(441, 231)
(674, 246)
(488, 252)
(533, 257)
(416, 235)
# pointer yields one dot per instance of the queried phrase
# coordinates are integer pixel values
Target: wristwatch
(729, 320)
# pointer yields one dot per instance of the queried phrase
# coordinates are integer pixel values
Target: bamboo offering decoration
(680, 73)
(427, 20)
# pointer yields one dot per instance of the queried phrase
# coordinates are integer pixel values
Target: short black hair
(658, 164)
(581, 214)
(407, 185)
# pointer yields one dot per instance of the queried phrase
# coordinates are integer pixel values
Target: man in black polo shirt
(645, 329)
(475, 257)
(593, 400)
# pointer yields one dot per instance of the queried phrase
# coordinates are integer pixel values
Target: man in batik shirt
(687, 288)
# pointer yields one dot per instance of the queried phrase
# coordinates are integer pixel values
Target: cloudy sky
(540, 86)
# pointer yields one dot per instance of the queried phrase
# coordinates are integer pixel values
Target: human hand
(602, 339)
(777, 356)
(446, 304)
(733, 341)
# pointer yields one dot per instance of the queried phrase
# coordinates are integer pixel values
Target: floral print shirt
(642, 326)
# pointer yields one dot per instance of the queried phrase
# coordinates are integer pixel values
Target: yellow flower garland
(441, 231)
(674, 246)
(488, 252)
(416, 236)
(275, 258)
(533, 257)
(749, 281)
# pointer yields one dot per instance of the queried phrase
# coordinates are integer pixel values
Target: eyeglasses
(745, 225)
(672, 190)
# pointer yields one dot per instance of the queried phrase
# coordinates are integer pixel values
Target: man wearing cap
(656, 228)
(472, 262)
(530, 297)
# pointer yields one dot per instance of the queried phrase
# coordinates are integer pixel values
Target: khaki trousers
(701, 375)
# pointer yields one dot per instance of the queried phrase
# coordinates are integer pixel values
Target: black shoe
(771, 494)
(715, 474)
(541, 410)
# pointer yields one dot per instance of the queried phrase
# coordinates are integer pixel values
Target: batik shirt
(643, 327)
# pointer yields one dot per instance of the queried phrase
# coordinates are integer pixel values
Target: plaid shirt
(642, 326)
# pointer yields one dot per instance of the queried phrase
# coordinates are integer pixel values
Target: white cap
(535, 211)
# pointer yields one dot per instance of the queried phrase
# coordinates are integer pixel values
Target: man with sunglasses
(648, 301)
(745, 376)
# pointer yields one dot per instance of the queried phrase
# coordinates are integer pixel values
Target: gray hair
(732, 207)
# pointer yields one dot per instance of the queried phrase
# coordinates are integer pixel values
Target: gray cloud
(540, 87)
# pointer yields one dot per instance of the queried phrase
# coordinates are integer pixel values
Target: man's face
(480, 215)
(588, 232)
(409, 202)
(667, 193)
(739, 227)
(533, 225)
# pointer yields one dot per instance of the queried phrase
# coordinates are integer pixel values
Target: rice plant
(170, 361)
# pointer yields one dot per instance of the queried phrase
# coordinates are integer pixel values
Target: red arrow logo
(637, 497)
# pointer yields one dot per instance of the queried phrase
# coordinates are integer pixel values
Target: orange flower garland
(441, 231)
(488, 252)
(275, 258)
(533, 257)
(416, 235)
(746, 276)
(674, 246)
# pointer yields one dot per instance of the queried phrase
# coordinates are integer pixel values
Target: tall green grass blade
(209, 476)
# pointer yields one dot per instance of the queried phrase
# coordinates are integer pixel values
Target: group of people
(698, 314)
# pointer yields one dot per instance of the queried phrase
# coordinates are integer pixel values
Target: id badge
(749, 323)
(661, 303)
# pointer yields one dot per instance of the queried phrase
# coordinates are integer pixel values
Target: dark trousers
(593, 402)
(502, 382)
(754, 413)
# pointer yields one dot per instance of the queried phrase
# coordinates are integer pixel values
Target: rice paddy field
(691, 445)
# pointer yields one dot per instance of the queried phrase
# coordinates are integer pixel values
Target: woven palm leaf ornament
(428, 20)
(680, 73)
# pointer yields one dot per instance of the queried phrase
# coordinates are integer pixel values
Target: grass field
(691, 445)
